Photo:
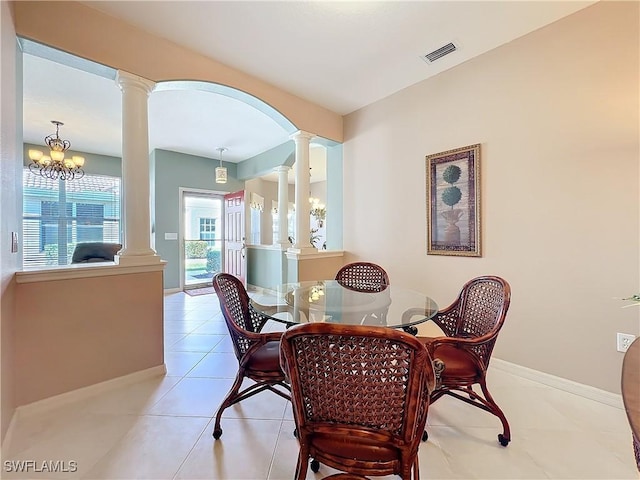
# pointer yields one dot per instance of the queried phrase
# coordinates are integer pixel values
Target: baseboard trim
(172, 290)
(560, 383)
(47, 404)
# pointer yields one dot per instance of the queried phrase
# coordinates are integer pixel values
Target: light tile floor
(161, 428)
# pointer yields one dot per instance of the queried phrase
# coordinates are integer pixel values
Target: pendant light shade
(221, 172)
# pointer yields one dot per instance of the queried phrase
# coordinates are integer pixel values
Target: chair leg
(505, 437)
(228, 401)
(302, 464)
(435, 395)
(416, 468)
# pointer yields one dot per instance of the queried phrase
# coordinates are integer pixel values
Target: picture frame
(453, 202)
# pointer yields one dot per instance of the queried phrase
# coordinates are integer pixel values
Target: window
(255, 226)
(207, 228)
(256, 204)
(50, 216)
(90, 220)
(91, 213)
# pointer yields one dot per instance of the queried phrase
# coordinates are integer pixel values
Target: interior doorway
(202, 237)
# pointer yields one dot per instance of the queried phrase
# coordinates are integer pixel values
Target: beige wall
(90, 34)
(556, 113)
(313, 269)
(10, 203)
(105, 327)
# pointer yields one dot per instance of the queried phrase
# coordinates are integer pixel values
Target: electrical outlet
(624, 340)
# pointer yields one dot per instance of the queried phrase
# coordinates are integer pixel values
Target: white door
(235, 253)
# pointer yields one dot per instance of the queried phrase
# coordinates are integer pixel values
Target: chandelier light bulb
(57, 155)
(35, 155)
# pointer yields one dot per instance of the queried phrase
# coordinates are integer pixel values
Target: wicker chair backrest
(483, 306)
(239, 317)
(373, 378)
(363, 276)
(479, 310)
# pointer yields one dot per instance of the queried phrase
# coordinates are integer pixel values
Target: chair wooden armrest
(267, 310)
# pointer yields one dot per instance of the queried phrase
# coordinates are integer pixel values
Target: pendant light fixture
(221, 172)
(55, 166)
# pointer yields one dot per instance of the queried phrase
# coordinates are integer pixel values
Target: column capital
(126, 79)
(282, 168)
(302, 134)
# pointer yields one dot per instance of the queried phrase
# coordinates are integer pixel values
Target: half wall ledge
(84, 270)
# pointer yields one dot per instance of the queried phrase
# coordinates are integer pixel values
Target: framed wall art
(453, 202)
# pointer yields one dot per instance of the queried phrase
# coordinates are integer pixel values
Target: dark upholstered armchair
(360, 397)
(258, 353)
(471, 325)
(95, 252)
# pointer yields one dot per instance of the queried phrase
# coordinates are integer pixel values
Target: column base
(302, 250)
(130, 260)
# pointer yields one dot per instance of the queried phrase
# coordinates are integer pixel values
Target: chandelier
(221, 172)
(54, 165)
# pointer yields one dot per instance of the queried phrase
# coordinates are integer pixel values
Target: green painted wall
(291, 270)
(265, 267)
(334, 198)
(265, 162)
(172, 171)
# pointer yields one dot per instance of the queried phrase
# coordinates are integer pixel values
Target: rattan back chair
(360, 397)
(471, 325)
(258, 353)
(363, 276)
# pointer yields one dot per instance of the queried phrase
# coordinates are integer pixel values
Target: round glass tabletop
(330, 301)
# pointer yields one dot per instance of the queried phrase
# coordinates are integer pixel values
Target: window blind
(57, 215)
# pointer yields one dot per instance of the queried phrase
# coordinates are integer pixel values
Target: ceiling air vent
(439, 53)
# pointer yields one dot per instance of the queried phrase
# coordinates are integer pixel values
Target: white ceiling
(341, 55)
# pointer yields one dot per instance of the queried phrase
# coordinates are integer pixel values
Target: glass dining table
(330, 301)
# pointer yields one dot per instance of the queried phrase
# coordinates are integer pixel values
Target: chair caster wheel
(315, 466)
(411, 329)
(217, 433)
(503, 441)
(425, 436)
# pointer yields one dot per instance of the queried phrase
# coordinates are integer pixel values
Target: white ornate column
(283, 206)
(136, 183)
(303, 222)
